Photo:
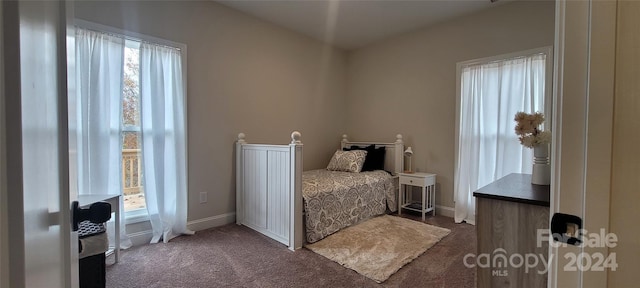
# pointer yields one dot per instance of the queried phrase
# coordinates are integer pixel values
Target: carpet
(380, 246)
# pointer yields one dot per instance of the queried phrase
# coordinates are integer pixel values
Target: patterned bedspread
(334, 200)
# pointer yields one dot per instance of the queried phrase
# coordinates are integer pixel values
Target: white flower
(527, 128)
(544, 137)
(528, 141)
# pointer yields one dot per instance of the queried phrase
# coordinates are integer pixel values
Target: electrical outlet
(203, 197)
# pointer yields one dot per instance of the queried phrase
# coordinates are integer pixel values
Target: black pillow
(375, 157)
(354, 148)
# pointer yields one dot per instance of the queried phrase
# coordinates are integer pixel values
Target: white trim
(556, 136)
(211, 222)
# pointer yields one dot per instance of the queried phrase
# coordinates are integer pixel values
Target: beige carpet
(380, 246)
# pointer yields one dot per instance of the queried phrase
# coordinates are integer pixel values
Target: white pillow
(348, 161)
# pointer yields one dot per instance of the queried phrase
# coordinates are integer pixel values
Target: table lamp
(408, 153)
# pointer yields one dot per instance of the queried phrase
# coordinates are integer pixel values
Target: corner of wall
(4, 259)
(211, 222)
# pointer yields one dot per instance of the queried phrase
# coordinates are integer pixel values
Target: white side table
(427, 182)
(114, 200)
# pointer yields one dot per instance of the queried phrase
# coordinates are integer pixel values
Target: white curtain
(488, 148)
(99, 63)
(163, 140)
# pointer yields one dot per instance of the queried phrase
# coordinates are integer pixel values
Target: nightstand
(427, 182)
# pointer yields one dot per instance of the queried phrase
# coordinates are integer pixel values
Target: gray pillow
(348, 161)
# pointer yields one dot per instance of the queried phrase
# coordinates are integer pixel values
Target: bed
(277, 199)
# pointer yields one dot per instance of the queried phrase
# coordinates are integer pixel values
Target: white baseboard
(445, 211)
(144, 237)
(210, 222)
(140, 238)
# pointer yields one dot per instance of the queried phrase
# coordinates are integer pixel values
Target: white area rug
(380, 246)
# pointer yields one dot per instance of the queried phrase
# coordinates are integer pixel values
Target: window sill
(136, 216)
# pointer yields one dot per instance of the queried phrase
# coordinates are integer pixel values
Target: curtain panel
(98, 108)
(163, 127)
(488, 148)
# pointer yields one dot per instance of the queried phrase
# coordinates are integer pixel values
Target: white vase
(541, 168)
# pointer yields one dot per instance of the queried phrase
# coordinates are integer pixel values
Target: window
(131, 124)
(132, 172)
(490, 92)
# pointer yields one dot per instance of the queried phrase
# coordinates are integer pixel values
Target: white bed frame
(269, 185)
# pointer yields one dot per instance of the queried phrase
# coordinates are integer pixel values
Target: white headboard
(394, 155)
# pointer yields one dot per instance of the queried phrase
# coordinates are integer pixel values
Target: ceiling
(351, 24)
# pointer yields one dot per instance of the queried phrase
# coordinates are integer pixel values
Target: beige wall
(244, 75)
(407, 84)
(625, 200)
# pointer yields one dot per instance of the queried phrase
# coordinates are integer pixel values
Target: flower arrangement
(527, 129)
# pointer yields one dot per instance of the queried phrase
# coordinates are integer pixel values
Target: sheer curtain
(488, 149)
(99, 64)
(163, 140)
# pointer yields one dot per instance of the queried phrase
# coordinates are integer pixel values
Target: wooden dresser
(509, 213)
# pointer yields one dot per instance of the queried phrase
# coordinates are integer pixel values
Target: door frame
(582, 130)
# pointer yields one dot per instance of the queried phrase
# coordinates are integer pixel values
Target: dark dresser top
(516, 187)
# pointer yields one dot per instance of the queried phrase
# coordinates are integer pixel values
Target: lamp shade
(408, 152)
